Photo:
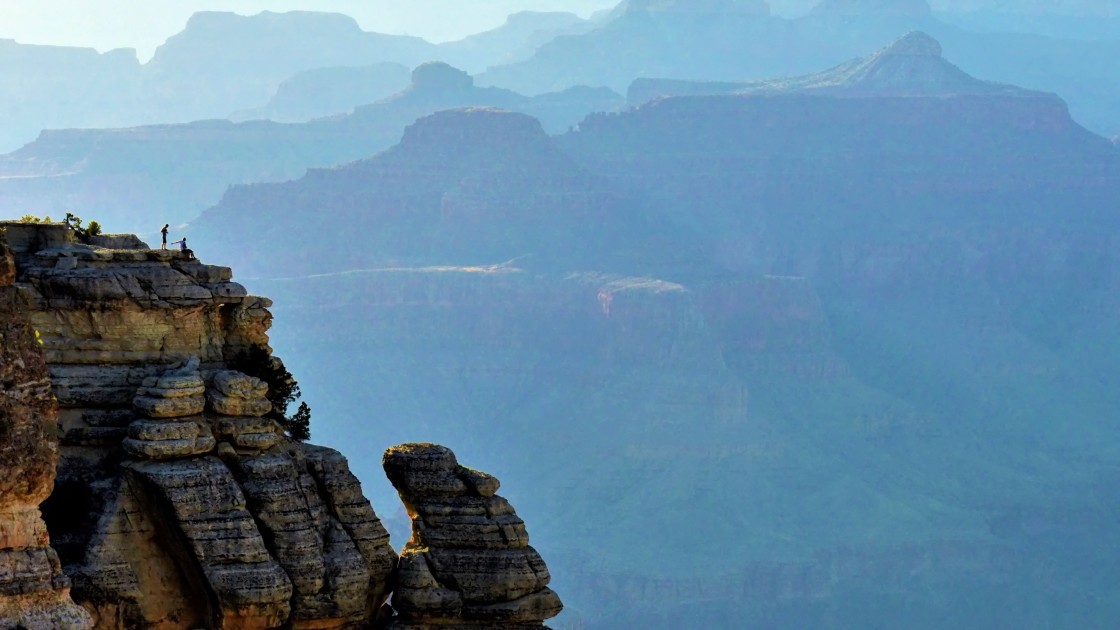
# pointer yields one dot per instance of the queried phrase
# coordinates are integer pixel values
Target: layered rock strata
(34, 592)
(469, 563)
(179, 505)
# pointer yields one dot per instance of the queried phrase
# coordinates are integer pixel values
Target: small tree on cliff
(299, 425)
(83, 233)
(283, 390)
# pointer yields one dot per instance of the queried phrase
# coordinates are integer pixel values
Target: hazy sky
(144, 24)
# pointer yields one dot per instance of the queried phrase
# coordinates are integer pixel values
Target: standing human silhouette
(164, 232)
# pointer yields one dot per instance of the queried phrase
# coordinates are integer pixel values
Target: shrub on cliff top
(283, 390)
(83, 233)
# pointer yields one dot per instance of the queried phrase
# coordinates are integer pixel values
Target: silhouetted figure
(164, 232)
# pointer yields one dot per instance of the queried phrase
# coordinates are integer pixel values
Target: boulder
(237, 394)
(251, 433)
(155, 440)
(469, 563)
(177, 393)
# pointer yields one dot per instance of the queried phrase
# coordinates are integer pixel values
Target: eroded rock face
(34, 593)
(178, 505)
(237, 394)
(469, 563)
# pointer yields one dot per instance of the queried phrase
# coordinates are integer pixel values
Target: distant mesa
(471, 129)
(913, 44)
(217, 22)
(227, 62)
(150, 167)
(515, 40)
(754, 7)
(491, 174)
(909, 66)
(329, 91)
(849, 8)
(440, 76)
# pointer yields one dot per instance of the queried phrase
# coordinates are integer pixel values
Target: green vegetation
(84, 233)
(283, 390)
(299, 425)
(73, 221)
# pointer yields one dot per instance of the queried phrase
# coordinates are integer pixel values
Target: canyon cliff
(180, 501)
(34, 592)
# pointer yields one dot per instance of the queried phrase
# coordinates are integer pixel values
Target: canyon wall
(34, 592)
(181, 499)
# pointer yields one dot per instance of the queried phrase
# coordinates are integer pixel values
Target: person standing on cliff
(164, 232)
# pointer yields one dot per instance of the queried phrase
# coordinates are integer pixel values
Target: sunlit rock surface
(178, 505)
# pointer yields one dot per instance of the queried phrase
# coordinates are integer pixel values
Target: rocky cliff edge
(179, 502)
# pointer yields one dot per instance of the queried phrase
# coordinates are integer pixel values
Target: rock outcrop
(34, 592)
(469, 563)
(179, 505)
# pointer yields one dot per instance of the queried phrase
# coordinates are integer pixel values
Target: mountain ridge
(60, 165)
(912, 65)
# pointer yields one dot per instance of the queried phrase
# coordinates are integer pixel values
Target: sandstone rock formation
(34, 593)
(469, 563)
(178, 504)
